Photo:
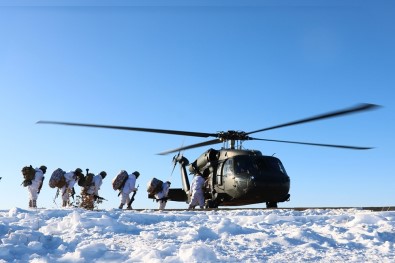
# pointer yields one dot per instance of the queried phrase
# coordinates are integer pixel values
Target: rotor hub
(233, 136)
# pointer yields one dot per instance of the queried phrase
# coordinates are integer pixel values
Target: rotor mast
(233, 139)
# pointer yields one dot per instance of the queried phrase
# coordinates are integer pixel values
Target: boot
(64, 204)
(34, 204)
(129, 207)
(121, 206)
(30, 203)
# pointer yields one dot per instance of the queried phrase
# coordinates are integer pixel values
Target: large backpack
(86, 181)
(119, 181)
(57, 179)
(154, 186)
(29, 173)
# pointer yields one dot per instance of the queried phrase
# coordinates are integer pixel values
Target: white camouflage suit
(130, 186)
(163, 194)
(36, 183)
(197, 194)
(71, 179)
(95, 187)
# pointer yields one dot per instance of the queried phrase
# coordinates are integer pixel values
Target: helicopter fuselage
(239, 177)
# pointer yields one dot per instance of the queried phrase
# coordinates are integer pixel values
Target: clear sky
(202, 66)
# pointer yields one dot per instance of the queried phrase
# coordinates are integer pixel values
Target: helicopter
(235, 176)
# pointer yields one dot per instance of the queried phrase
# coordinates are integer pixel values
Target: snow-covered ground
(283, 235)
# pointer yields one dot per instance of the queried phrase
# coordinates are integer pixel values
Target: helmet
(167, 182)
(78, 171)
(103, 174)
(137, 174)
(43, 168)
(195, 169)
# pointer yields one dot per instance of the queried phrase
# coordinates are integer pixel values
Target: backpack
(57, 179)
(88, 180)
(154, 186)
(119, 181)
(29, 173)
(81, 181)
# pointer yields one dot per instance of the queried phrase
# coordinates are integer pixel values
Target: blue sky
(202, 66)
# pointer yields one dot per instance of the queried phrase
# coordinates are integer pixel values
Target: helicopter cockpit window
(275, 164)
(228, 167)
(258, 165)
(242, 166)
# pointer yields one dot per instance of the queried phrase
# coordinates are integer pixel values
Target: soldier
(90, 193)
(161, 196)
(197, 194)
(130, 186)
(35, 187)
(68, 190)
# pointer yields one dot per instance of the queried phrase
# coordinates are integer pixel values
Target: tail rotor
(176, 158)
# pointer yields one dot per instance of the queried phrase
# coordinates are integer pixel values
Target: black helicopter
(235, 176)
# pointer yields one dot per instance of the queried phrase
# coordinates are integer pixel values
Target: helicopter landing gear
(211, 204)
(271, 205)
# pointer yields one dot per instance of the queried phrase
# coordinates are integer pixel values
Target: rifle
(99, 198)
(72, 192)
(132, 198)
(41, 185)
(56, 196)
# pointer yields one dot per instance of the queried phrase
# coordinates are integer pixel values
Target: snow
(242, 235)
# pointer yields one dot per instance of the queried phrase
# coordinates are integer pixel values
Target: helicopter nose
(273, 188)
(272, 179)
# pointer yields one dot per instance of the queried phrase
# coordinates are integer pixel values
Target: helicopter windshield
(258, 165)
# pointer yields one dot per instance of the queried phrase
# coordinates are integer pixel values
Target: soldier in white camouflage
(35, 187)
(130, 186)
(67, 191)
(90, 193)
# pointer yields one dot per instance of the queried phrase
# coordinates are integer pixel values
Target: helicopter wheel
(271, 205)
(211, 204)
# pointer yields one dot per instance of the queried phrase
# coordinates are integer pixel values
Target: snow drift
(282, 235)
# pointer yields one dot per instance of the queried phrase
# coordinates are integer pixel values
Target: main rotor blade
(192, 146)
(360, 107)
(318, 144)
(174, 132)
